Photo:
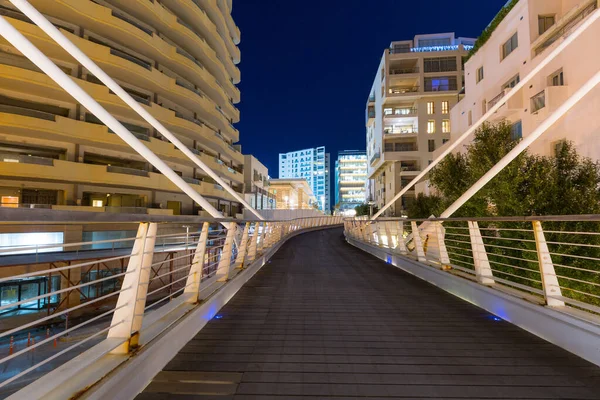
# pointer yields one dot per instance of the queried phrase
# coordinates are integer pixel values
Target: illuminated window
(445, 107)
(97, 203)
(431, 126)
(430, 107)
(10, 201)
(446, 126)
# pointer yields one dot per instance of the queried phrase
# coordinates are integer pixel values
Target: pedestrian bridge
(310, 309)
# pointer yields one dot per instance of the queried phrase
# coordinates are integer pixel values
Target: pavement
(325, 320)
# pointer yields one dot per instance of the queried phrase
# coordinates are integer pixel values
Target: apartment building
(527, 34)
(312, 165)
(256, 185)
(177, 58)
(408, 111)
(350, 180)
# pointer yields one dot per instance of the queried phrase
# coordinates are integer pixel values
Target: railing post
(388, 234)
(380, 234)
(364, 227)
(127, 319)
(441, 234)
(400, 236)
(241, 255)
(480, 258)
(225, 261)
(253, 243)
(192, 285)
(262, 236)
(418, 242)
(550, 284)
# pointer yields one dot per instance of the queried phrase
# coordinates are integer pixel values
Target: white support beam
(21, 43)
(524, 144)
(41, 21)
(452, 145)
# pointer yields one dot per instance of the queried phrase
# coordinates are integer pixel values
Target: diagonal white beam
(452, 145)
(21, 43)
(523, 144)
(41, 21)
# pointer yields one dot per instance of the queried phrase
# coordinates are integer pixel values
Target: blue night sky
(308, 65)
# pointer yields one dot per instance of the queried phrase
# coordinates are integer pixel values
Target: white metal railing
(103, 296)
(553, 261)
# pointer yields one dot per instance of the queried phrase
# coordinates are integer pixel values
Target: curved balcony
(216, 15)
(105, 22)
(165, 21)
(67, 130)
(225, 6)
(38, 84)
(193, 13)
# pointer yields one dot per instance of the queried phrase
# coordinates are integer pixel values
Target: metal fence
(549, 260)
(110, 289)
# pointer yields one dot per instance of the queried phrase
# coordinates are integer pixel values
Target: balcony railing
(400, 130)
(189, 57)
(126, 210)
(135, 60)
(400, 112)
(403, 89)
(132, 22)
(193, 181)
(538, 101)
(402, 71)
(23, 159)
(496, 99)
(126, 171)
(189, 87)
(567, 28)
(27, 112)
(441, 88)
(374, 157)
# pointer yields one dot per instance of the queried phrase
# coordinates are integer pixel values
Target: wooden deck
(326, 320)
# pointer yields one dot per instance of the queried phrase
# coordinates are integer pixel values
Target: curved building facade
(178, 58)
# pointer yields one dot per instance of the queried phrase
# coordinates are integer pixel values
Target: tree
(364, 209)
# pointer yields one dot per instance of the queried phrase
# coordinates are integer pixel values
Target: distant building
(350, 179)
(256, 185)
(408, 111)
(312, 165)
(292, 194)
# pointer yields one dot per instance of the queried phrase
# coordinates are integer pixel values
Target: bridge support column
(440, 233)
(241, 255)
(127, 319)
(418, 242)
(192, 285)
(225, 262)
(480, 258)
(550, 284)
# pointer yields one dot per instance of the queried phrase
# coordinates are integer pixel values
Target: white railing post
(127, 319)
(550, 284)
(241, 255)
(480, 259)
(192, 285)
(252, 250)
(440, 233)
(401, 246)
(418, 242)
(388, 234)
(225, 261)
(381, 234)
(262, 236)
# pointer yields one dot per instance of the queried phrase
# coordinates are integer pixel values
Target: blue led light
(218, 316)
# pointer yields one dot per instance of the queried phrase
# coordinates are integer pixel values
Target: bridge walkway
(326, 320)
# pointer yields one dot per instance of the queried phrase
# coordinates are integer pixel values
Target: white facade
(256, 184)
(408, 111)
(312, 165)
(531, 30)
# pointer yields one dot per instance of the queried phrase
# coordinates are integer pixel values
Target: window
(483, 107)
(431, 126)
(545, 22)
(516, 131)
(479, 74)
(470, 118)
(434, 42)
(440, 84)
(440, 64)
(538, 101)
(430, 107)
(10, 201)
(97, 203)
(512, 82)
(510, 45)
(557, 78)
(445, 107)
(387, 111)
(431, 144)
(444, 141)
(558, 146)
(446, 126)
